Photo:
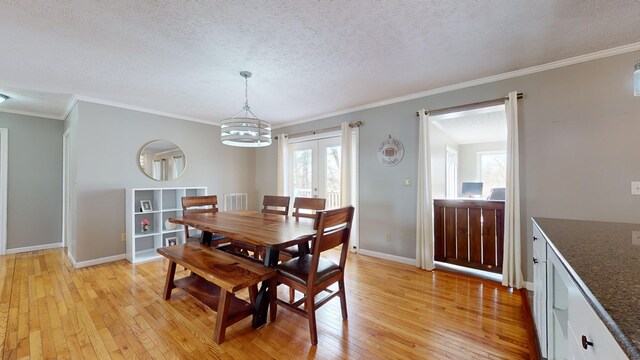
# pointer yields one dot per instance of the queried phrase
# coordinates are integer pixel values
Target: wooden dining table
(269, 231)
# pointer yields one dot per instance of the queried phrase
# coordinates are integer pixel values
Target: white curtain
(157, 170)
(424, 232)
(177, 166)
(283, 145)
(345, 165)
(349, 178)
(511, 266)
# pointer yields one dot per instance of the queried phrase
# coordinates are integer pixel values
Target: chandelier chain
(246, 94)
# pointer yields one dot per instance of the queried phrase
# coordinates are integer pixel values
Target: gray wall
(108, 142)
(439, 141)
(578, 130)
(34, 199)
(468, 160)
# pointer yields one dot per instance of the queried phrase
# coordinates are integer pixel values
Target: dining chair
(302, 207)
(207, 204)
(307, 207)
(271, 204)
(312, 273)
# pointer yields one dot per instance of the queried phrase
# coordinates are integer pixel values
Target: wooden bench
(215, 277)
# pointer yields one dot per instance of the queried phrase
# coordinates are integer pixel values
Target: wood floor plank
(50, 310)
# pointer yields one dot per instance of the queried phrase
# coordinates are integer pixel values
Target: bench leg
(168, 285)
(221, 316)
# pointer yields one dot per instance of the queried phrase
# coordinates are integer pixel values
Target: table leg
(261, 307)
(168, 284)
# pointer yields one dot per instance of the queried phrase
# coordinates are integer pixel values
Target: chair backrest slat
(272, 204)
(200, 204)
(311, 204)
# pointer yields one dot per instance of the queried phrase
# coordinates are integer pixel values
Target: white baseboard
(528, 285)
(380, 255)
(99, 261)
(73, 260)
(33, 248)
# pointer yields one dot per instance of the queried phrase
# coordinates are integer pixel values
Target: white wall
(109, 140)
(468, 160)
(34, 187)
(439, 141)
(579, 134)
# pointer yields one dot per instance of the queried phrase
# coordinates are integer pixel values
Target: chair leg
(292, 295)
(311, 314)
(343, 299)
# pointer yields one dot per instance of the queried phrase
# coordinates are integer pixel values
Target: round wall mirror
(162, 160)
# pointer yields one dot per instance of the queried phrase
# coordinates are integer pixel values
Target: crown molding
(72, 103)
(139, 108)
(29, 113)
(485, 80)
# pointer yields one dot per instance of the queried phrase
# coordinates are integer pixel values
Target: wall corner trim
(98, 261)
(384, 256)
(33, 248)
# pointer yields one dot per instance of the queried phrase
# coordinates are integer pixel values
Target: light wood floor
(48, 309)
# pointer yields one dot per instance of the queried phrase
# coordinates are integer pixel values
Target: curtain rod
(313, 132)
(456, 108)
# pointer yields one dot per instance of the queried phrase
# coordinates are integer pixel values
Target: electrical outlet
(635, 188)
(635, 237)
(123, 237)
(388, 237)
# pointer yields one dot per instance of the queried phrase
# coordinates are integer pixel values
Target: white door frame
(65, 188)
(4, 165)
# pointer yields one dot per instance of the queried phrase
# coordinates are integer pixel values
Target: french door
(315, 170)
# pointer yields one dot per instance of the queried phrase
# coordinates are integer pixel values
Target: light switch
(635, 188)
(406, 182)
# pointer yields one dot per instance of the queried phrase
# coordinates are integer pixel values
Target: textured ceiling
(308, 57)
(475, 126)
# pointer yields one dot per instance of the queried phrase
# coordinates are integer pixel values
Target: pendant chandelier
(244, 128)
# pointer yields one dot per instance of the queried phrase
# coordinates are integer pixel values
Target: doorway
(315, 169)
(468, 157)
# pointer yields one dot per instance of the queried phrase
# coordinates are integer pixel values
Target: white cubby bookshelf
(165, 203)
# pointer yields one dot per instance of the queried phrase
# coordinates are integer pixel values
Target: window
(492, 170)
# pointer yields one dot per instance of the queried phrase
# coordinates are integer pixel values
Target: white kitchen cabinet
(567, 316)
(540, 288)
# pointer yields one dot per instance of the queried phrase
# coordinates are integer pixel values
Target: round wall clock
(390, 152)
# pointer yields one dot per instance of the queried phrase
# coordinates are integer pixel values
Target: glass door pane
(330, 171)
(303, 174)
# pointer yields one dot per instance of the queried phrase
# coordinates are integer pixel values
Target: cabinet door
(585, 322)
(539, 243)
(575, 348)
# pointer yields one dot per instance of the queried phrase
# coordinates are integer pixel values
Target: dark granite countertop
(604, 260)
